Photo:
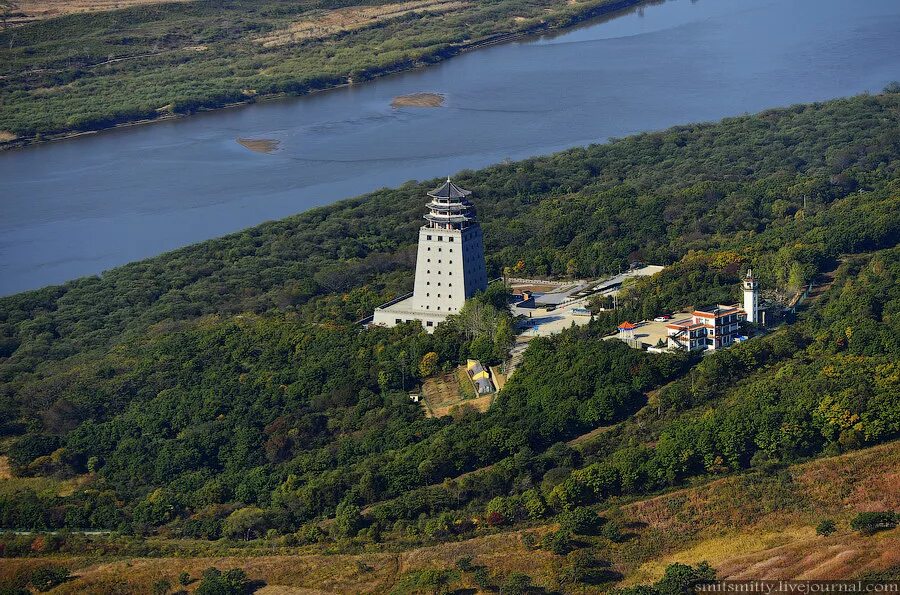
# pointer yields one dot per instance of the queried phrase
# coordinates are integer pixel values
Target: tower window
(429, 237)
(450, 238)
(429, 323)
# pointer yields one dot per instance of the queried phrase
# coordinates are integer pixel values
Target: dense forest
(94, 70)
(223, 390)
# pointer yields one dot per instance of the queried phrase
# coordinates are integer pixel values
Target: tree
(347, 519)
(681, 579)
(517, 583)
(245, 523)
(504, 337)
(428, 364)
(579, 520)
(216, 582)
(868, 523)
(826, 528)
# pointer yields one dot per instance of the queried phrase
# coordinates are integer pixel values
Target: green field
(91, 71)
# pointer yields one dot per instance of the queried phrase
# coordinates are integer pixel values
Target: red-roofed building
(626, 330)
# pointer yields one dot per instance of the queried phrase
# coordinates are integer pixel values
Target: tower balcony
(449, 207)
(443, 218)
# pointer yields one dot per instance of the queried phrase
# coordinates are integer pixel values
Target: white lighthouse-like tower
(449, 264)
(751, 297)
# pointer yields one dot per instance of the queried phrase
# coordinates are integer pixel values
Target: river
(85, 205)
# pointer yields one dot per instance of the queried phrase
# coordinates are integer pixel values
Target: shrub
(465, 564)
(559, 542)
(482, 578)
(45, 578)
(868, 523)
(612, 530)
(162, 586)
(184, 579)
(826, 528)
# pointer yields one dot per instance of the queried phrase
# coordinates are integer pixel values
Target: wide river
(82, 206)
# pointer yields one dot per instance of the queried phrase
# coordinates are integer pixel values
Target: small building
(483, 386)
(626, 331)
(480, 375)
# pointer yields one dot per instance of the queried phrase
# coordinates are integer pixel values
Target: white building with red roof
(708, 328)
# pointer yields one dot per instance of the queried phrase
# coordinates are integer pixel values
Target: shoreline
(454, 50)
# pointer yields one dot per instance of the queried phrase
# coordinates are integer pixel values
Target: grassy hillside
(219, 399)
(94, 70)
(756, 526)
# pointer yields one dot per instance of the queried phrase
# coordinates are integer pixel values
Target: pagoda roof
(449, 190)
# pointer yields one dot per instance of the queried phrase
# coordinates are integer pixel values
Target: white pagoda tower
(450, 262)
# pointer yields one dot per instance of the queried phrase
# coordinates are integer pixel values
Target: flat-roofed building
(713, 327)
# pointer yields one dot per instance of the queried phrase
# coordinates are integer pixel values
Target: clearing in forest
(341, 20)
(440, 394)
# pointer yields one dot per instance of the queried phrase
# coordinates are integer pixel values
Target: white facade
(449, 263)
(751, 297)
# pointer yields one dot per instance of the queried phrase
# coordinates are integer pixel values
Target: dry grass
(6, 137)
(765, 529)
(311, 573)
(327, 23)
(5, 470)
(747, 527)
(36, 10)
(418, 100)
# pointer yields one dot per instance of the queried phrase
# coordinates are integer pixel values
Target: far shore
(540, 28)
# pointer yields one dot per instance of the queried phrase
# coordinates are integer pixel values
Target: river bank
(78, 208)
(575, 14)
